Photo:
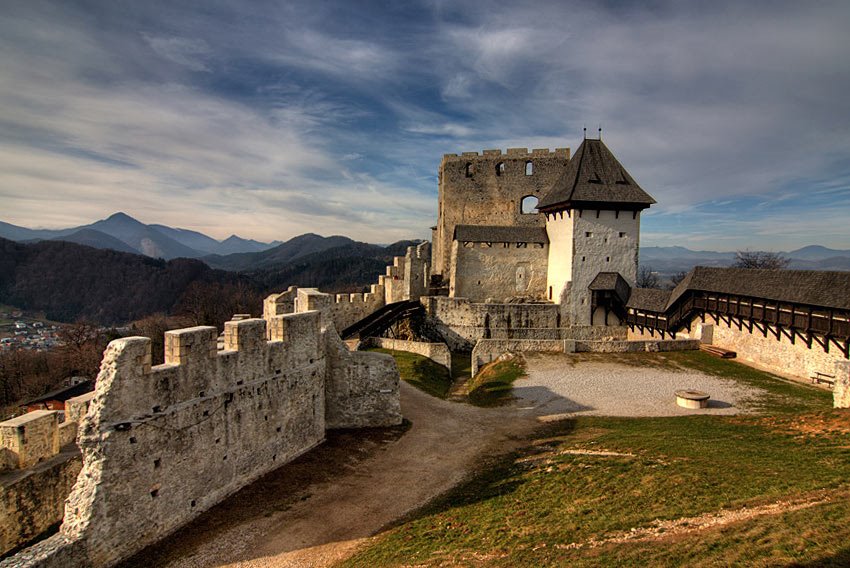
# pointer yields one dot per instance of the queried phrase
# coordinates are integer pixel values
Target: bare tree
(678, 277)
(646, 278)
(760, 259)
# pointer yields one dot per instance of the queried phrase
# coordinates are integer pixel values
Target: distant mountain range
(125, 234)
(670, 260)
(69, 280)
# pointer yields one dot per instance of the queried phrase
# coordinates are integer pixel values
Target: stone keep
(489, 247)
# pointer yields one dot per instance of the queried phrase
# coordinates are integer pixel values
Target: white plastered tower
(593, 225)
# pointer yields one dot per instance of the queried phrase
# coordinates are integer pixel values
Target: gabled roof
(815, 288)
(612, 282)
(595, 178)
(648, 299)
(498, 234)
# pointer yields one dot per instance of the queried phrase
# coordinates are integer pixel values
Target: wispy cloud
(272, 119)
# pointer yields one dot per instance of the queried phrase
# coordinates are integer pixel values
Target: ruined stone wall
(498, 271)
(163, 444)
(361, 389)
(488, 350)
(437, 352)
(461, 322)
(475, 190)
(33, 499)
(42, 463)
(405, 279)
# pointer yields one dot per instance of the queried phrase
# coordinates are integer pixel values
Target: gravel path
(558, 385)
(316, 511)
(324, 521)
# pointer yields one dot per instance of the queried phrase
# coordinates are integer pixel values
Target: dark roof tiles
(648, 299)
(594, 177)
(499, 234)
(815, 288)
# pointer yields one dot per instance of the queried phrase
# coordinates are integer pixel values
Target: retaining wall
(488, 350)
(437, 352)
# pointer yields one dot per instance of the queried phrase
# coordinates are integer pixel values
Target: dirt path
(327, 519)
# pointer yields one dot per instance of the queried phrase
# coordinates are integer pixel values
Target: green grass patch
(532, 507)
(494, 382)
(421, 372)
(461, 364)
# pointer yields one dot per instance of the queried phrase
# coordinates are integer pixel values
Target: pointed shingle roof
(594, 178)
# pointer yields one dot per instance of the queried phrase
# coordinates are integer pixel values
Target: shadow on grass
(840, 559)
(493, 477)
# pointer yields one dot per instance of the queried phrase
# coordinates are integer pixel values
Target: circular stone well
(692, 399)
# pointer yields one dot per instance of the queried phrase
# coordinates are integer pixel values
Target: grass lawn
(493, 384)
(420, 372)
(765, 489)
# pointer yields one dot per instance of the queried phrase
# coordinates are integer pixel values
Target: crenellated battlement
(163, 443)
(195, 369)
(511, 153)
(405, 278)
(37, 436)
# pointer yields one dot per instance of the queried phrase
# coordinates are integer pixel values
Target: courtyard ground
(592, 465)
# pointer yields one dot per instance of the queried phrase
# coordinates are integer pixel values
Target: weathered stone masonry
(40, 463)
(162, 444)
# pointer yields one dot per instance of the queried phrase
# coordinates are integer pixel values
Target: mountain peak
(120, 216)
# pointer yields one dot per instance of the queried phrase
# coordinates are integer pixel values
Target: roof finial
(600, 132)
(585, 132)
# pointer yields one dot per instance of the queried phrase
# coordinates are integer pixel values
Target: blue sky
(271, 119)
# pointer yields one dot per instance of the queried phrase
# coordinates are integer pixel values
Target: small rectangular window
(588, 234)
(622, 234)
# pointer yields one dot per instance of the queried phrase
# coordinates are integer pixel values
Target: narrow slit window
(529, 168)
(468, 170)
(500, 168)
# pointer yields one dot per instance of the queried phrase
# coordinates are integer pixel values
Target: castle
(532, 251)
(537, 226)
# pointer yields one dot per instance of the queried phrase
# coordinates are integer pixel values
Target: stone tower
(488, 190)
(593, 224)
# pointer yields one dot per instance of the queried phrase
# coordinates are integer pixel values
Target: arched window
(528, 205)
(500, 168)
(468, 169)
(529, 168)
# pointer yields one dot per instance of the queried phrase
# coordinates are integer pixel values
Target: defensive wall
(162, 444)
(405, 279)
(437, 352)
(767, 349)
(488, 189)
(462, 323)
(488, 350)
(40, 463)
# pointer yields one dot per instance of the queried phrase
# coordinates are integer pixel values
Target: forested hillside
(71, 282)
